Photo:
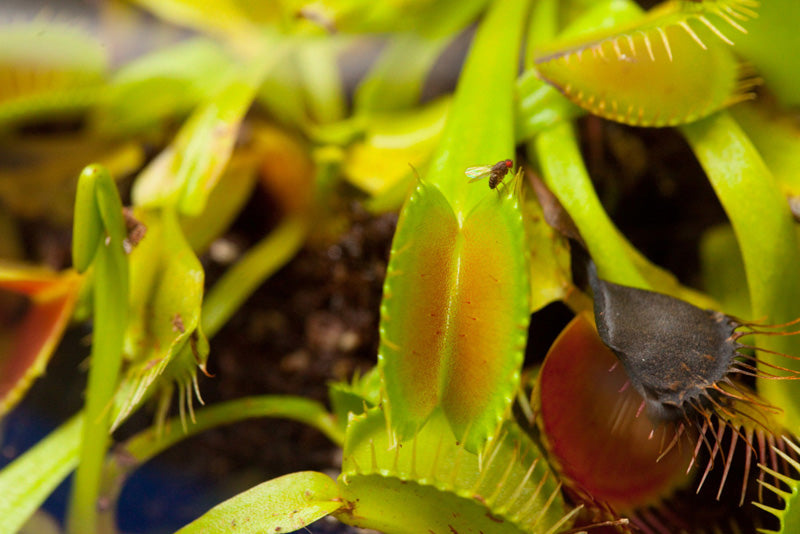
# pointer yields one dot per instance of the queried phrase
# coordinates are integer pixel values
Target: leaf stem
(110, 320)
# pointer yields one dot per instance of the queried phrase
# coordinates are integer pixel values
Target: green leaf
(281, 94)
(225, 202)
(776, 136)
(396, 79)
(432, 484)
(770, 44)
(366, 16)
(317, 63)
(765, 231)
(165, 299)
(391, 144)
(161, 85)
(549, 258)
(723, 271)
(184, 174)
(223, 18)
(284, 504)
(539, 106)
(27, 481)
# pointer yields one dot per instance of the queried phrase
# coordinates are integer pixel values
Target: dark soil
(314, 322)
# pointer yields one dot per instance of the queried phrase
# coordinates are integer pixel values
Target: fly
(495, 172)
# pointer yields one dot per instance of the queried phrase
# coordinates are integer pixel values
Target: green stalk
(765, 230)
(110, 319)
(27, 481)
(268, 255)
(479, 129)
(149, 443)
(565, 174)
(316, 60)
(258, 264)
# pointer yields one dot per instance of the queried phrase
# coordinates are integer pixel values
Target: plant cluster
(659, 408)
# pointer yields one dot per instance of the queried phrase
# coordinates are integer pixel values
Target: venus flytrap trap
(163, 334)
(29, 341)
(48, 68)
(432, 482)
(633, 471)
(674, 51)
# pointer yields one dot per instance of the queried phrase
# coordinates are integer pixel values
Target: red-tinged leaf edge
(33, 339)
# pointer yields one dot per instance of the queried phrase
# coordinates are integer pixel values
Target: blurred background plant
(263, 151)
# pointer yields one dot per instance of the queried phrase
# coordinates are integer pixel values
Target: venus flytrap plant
(505, 486)
(429, 443)
(448, 278)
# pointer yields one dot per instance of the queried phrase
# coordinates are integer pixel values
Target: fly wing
(477, 173)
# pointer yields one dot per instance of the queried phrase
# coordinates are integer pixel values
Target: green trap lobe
(416, 307)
